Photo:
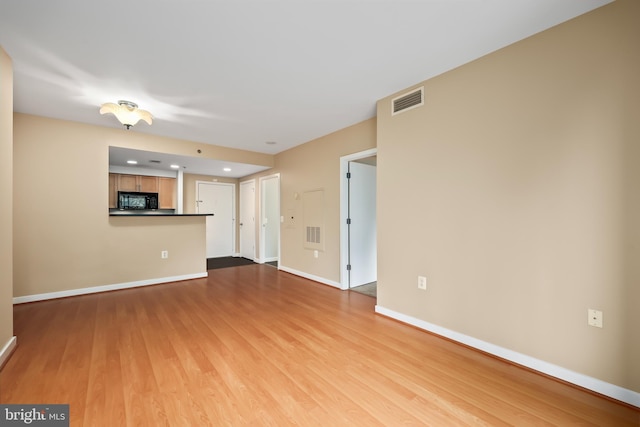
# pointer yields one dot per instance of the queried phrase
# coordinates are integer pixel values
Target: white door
(248, 219)
(270, 218)
(218, 199)
(362, 229)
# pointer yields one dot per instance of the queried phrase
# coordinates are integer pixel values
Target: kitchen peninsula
(116, 212)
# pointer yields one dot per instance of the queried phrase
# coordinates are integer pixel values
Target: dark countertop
(137, 213)
(156, 214)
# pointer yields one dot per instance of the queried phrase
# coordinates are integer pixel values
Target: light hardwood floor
(255, 346)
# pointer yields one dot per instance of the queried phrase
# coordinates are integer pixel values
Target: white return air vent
(313, 235)
(407, 101)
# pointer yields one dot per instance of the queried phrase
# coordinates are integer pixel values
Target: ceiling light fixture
(174, 167)
(127, 113)
(132, 162)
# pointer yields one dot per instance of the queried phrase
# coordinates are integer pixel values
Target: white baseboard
(310, 276)
(104, 288)
(616, 392)
(7, 350)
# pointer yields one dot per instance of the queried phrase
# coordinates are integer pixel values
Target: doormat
(227, 261)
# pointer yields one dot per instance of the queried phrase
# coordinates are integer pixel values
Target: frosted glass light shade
(127, 113)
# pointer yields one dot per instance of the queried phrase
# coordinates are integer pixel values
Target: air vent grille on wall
(407, 101)
(313, 234)
(313, 207)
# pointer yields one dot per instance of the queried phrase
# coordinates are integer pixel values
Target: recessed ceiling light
(132, 162)
(175, 167)
(227, 169)
(271, 143)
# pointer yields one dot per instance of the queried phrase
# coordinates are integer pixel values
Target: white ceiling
(239, 73)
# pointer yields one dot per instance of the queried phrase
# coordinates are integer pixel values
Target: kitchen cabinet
(165, 187)
(140, 183)
(127, 183)
(113, 191)
(166, 193)
(148, 184)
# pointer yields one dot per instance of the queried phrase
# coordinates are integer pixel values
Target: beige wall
(64, 238)
(311, 166)
(515, 191)
(6, 195)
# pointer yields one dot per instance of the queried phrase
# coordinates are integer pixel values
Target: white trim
(241, 207)
(616, 392)
(105, 288)
(7, 350)
(344, 210)
(310, 276)
(180, 192)
(261, 208)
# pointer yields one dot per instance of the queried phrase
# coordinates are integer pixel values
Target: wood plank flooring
(255, 346)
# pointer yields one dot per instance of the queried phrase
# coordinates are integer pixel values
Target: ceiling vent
(407, 101)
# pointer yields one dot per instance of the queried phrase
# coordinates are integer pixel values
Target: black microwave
(131, 200)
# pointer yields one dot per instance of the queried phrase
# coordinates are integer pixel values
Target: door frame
(241, 206)
(233, 204)
(344, 211)
(262, 208)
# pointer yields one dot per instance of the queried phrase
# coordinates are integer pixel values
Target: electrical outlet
(164, 254)
(422, 283)
(595, 318)
(315, 254)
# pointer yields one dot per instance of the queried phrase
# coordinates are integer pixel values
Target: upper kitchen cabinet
(167, 193)
(140, 183)
(164, 186)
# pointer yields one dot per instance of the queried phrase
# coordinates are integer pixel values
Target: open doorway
(270, 219)
(247, 219)
(358, 249)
